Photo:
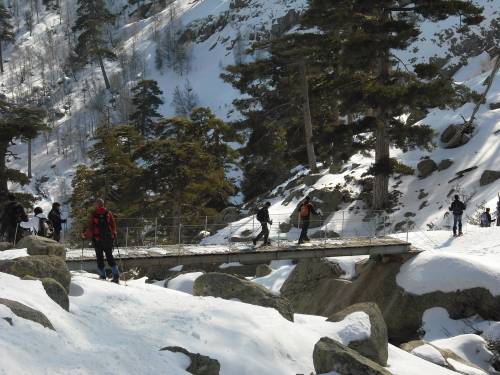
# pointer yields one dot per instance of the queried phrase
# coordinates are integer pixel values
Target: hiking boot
(116, 279)
(267, 243)
(254, 241)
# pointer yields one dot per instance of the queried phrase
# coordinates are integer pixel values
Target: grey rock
(39, 266)
(449, 133)
(311, 179)
(37, 245)
(488, 177)
(444, 164)
(374, 347)
(200, 364)
(27, 312)
(229, 287)
(5, 246)
(54, 290)
(330, 355)
(285, 227)
(263, 270)
(426, 167)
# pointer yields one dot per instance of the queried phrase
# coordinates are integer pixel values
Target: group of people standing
(15, 222)
(485, 220)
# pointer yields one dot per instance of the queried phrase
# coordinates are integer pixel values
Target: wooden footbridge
(174, 255)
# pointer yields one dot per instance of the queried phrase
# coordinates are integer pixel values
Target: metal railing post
(126, 238)
(230, 234)
(342, 227)
(206, 223)
(407, 227)
(179, 242)
(156, 230)
(278, 234)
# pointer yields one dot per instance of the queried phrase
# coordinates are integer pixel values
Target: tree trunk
(381, 179)
(1, 57)
(311, 156)
(29, 158)
(3, 170)
(104, 75)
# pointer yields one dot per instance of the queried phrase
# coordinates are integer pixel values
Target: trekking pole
(15, 234)
(120, 259)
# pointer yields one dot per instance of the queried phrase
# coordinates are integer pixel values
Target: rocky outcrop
(5, 246)
(54, 290)
(39, 266)
(444, 164)
(37, 245)
(312, 291)
(374, 347)
(231, 287)
(27, 312)
(200, 364)
(488, 177)
(426, 167)
(330, 355)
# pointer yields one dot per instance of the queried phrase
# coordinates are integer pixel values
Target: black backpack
(261, 214)
(45, 228)
(104, 227)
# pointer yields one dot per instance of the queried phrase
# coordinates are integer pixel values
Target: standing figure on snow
(263, 218)
(305, 210)
(486, 218)
(12, 214)
(498, 211)
(102, 231)
(56, 220)
(457, 207)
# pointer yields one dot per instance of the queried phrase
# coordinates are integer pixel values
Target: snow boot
(102, 273)
(254, 241)
(116, 275)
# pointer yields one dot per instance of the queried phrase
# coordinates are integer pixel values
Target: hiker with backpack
(305, 210)
(102, 232)
(12, 214)
(56, 220)
(457, 208)
(486, 218)
(39, 225)
(263, 218)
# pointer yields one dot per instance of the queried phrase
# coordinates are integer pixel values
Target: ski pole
(15, 233)
(120, 258)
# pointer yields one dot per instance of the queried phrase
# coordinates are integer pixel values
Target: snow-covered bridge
(174, 255)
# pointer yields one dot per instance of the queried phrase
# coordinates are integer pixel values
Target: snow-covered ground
(114, 329)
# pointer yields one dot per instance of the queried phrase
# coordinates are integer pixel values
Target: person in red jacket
(102, 232)
(305, 210)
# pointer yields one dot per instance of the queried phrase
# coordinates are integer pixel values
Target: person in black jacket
(13, 213)
(457, 207)
(263, 218)
(56, 220)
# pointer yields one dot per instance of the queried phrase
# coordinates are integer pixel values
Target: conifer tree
(6, 30)
(146, 101)
(366, 35)
(16, 122)
(93, 16)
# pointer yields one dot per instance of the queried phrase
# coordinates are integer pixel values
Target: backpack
(485, 220)
(104, 226)
(304, 210)
(261, 215)
(44, 228)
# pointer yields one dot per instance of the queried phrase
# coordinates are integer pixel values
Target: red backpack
(305, 209)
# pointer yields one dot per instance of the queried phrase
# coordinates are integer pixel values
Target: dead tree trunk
(311, 156)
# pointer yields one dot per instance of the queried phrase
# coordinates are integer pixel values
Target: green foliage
(16, 122)
(146, 101)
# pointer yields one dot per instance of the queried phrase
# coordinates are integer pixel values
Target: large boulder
(449, 133)
(39, 266)
(330, 355)
(54, 290)
(200, 364)
(27, 312)
(444, 164)
(374, 347)
(231, 287)
(319, 294)
(326, 200)
(426, 167)
(5, 246)
(488, 177)
(37, 245)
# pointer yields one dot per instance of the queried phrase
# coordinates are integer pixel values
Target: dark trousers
(305, 227)
(457, 220)
(263, 233)
(101, 248)
(56, 236)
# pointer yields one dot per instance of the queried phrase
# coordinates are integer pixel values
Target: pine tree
(146, 101)
(366, 35)
(184, 100)
(6, 30)
(16, 122)
(93, 16)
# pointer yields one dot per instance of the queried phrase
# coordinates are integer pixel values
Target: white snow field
(113, 329)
